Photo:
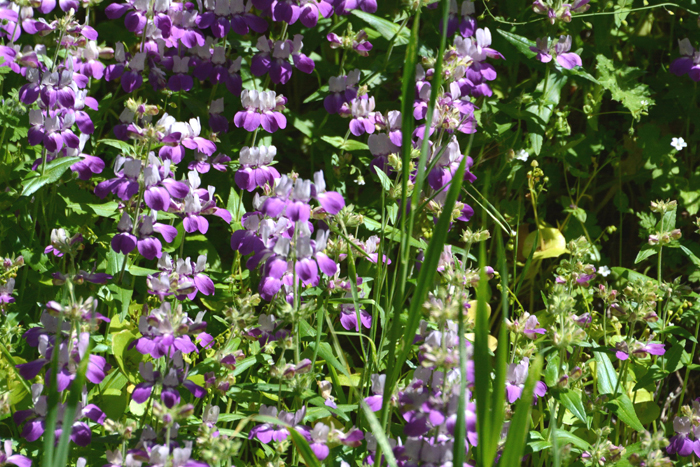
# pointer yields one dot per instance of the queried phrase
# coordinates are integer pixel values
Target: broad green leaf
(387, 29)
(552, 245)
(572, 401)
(624, 410)
(118, 144)
(647, 411)
(128, 360)
(691, 255)
(141, 272)
(383, 179)
(607, 382)
(109, 209)
(54, 170)
(627, 275)
(347, 145)
(566, 437)
(541, 110)
(607, 376)
(521, 43)
(644, 254)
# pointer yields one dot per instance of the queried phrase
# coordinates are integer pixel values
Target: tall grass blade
(519, 425)
(407, 124)
(482, 371)
(61, 457)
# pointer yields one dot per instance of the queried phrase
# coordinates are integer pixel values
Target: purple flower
(198, 203)
(268, 330)
(638, 350)
(343, 89)
(319, 438)
(362, 122)
(160, 186)
(531, 328)
(375, 402)
(6, 291)
(686, 440)
(34, 419)
(689, 62)
(447, 166)
(559, 50)
(261, 109)
(515, 381)
(7, 457)
(125, 185)
(217, 122)
(306, 11)
(255, 170)
(61, 243)
(267, 432)
(356, 42)
(274, 59)
(165, 331)
(343, 7)
(331, 201)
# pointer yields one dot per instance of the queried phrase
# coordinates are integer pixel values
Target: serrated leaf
(53, 172)
(625, 86)
(644, 254)
(346, 145)
(521, 43)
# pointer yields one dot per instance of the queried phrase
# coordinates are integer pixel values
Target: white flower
(604, 271)
(522, 155)
(679, 143)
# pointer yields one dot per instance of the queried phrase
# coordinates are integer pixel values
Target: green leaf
(105, 210)
(607, 382)
(625, 85)
(304, 449)
(54, 170)
(691, 255)
(140, 272)
(541, 111)
(387, 29)
(624, 410)
(607, 376)
(128, 360)
(347, 145)
(115, 143)
(572, 401)
(566, 437)
(644, 254)
(383, 179)
(521, 43)
(678, 331)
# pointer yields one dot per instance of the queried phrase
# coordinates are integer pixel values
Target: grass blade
(517, 432)
(61, 457)
(482, 370)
